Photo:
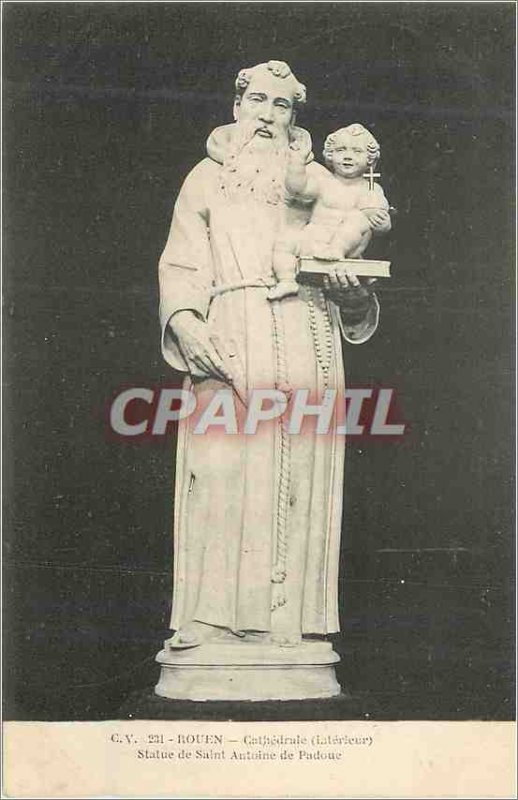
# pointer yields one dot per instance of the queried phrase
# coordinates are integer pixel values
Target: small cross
(370, 175)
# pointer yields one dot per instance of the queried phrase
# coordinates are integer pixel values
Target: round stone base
(248, 671)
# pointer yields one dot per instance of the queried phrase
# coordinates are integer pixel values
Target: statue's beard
(254, 167)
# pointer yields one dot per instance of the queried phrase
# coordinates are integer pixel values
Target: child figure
(348, 206)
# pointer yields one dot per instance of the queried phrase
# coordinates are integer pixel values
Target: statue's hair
(333, 141)
(278, 68)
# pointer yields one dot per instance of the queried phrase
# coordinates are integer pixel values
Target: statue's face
(267, 102)
(350, 158)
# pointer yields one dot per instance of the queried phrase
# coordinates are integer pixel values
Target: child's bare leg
(358, 251)
(284, 269)
(350, 236)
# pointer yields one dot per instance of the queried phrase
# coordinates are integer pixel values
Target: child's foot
(328, 253)
(283, 289)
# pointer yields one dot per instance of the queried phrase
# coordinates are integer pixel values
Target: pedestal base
(248, 671)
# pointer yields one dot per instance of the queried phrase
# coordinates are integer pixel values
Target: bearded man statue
(257, 519)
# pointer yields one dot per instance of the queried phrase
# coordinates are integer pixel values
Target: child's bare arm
(379, 220)
(299, 183)
(375, 207)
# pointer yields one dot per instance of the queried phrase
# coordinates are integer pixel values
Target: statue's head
(351, 151)
(267, 98)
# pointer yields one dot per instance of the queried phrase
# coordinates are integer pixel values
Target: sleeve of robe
(184, 269)
(357, 331)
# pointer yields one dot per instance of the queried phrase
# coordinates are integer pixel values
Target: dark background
(106, 108)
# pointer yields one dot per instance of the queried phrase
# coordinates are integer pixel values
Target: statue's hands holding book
(344, 288)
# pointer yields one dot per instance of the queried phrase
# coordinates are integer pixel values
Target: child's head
(351, 150)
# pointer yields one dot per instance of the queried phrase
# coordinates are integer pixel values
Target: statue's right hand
(196, 347)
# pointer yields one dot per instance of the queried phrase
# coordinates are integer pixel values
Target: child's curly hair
(333, 141)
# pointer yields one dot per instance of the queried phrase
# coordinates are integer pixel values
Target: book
(311, 270)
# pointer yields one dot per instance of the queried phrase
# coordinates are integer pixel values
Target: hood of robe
(221, 137)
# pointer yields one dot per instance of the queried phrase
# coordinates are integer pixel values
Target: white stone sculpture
(257, 518)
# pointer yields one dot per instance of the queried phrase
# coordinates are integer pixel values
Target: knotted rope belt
(259, 283)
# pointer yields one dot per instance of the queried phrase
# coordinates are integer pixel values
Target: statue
(257, 518)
